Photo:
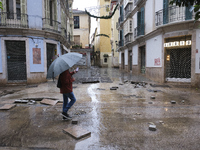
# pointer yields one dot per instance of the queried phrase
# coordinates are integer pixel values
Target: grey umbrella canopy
(63, 63)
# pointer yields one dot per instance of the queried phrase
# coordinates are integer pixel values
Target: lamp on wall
(168, 57)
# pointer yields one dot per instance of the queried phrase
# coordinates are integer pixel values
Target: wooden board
(49, 102)
(7, 106)
(77, 132)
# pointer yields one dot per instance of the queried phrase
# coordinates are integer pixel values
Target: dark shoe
(64, 118)
(66, 115)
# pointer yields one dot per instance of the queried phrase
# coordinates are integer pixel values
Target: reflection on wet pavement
(117, 119)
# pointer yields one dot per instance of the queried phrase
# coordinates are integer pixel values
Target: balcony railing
(128, 38)
(121, 43)
(120, 19)
(128, 10)
(13, 20)
(138, 31)
(136, 2)
(127, 2)
(173, 14)
(51, 25)
(16, 20)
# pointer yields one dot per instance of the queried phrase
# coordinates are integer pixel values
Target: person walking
(66, 89)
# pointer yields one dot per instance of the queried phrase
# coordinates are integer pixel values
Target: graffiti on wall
(157, 62)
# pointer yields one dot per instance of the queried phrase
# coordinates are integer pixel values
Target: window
(105, 60)
(52, 13)
(9, 7)
(140, 22)
(77, 39)
(76, 22)
(18, 9)
(13, 9)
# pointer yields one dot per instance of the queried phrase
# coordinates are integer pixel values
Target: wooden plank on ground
(49, 102)
(7, 106)
(77, 132)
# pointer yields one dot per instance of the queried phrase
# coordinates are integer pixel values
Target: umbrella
(63, 63)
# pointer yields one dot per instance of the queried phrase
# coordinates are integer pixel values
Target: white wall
(197, 59)
(158, 5)
(134, 22)
(34, 15)
(126, 56)
(36, 67)
(135, 55)
(1, 68)
(154, 52)
(149, 16)
(120, 56)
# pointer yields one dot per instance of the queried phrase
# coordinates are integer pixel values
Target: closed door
(16, 60)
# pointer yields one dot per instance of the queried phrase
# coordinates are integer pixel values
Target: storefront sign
(178, 43)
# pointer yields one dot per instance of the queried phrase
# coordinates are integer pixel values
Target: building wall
(35, 37)
(115, 55)
(154, 53)
(84, 30)
(104, 28)
(35, 22)
(154, 39)
(149, 16)
(135, 55)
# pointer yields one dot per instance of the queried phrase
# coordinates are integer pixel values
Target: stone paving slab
(49, 102)
(7, 106)
(77, 132)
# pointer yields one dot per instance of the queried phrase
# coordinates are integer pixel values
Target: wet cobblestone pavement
(138, 115)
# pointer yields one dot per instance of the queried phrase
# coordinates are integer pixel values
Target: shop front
(178, 59)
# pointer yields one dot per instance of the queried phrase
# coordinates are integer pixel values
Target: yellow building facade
(102, 43)
(105, 38)
(114, 35)
(81, 30)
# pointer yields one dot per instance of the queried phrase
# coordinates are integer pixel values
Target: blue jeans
(66, 105)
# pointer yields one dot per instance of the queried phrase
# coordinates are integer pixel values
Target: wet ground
(118, 119)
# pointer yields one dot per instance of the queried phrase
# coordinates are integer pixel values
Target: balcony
(13, 20)
(51, 25)
(120, 19)
(121, 43)
(128, 10)
(136, 2)
(127, 2)
(117, 25)
(139, 31)
(128, 39)
(24, 21)
(173, 14)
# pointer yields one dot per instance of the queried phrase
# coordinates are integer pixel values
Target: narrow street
(122, 112)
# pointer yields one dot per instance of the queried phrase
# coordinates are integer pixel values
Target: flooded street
(121, 111)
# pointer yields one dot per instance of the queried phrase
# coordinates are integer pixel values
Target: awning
(65, 48)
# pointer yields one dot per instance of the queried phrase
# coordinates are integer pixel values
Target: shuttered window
(76, 22)
(140, 22)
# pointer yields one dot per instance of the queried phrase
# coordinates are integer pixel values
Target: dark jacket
(66, 82)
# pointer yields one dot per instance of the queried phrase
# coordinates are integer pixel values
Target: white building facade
(32, 34)
(159, 41)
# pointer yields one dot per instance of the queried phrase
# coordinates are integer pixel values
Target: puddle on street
(91, 92)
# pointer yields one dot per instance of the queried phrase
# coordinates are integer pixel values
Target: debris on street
(77, 132)
(7, 106)
(49, 102)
